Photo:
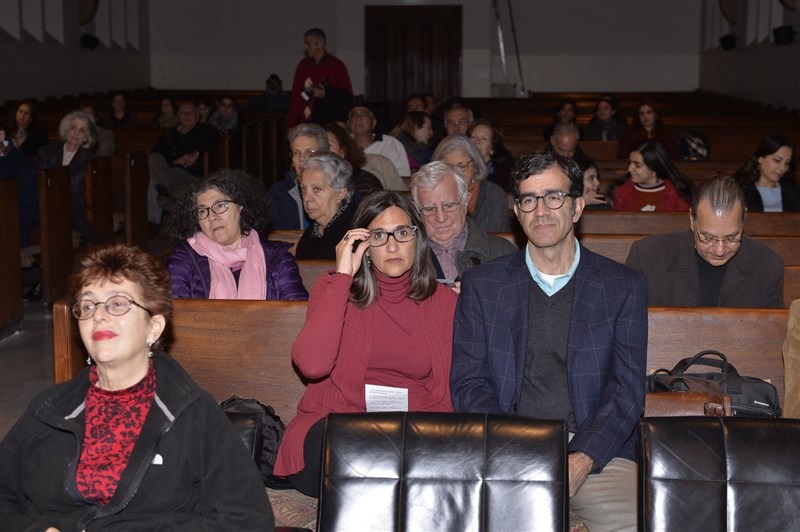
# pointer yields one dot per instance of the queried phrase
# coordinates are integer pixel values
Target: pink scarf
(249, 256)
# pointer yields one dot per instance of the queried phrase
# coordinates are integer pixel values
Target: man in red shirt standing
(321, 90)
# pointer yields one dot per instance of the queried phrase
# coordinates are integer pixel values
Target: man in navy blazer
(558, 332)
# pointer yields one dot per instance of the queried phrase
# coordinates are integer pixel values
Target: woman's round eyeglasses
(552, 200)
(116, 306)
(404, 233)
(218, 207)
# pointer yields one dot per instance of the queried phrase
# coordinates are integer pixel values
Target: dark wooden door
(411, 49)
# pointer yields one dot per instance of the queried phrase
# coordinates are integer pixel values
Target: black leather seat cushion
(449, 472)
(719, 473)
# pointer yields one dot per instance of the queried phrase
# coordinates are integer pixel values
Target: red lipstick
(103, 335)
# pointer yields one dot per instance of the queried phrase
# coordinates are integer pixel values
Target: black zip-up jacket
(187, 471)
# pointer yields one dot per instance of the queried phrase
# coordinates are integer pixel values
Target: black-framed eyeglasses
(450, 206)
(218, 207)
(552, 200)
(404, 233)
(83, 309)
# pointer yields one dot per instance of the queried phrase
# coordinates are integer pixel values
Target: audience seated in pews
(14, 163)
(119, 113)
(652, 183)
(106, 142)
(130, 442)
(177, 160)
(361, 122)
(204, 109)
(566, 112)
(457, 242)
(499, 161)
(648, 124)
(457, 119)
(352, 340)
(78, 133)
(327, 192)
(768, 177)
(272, 100)
(304, 141)
(343, 145)
(713, 264)
(564, 141)
(488, 205)
(415, 132)
(594, 199)
(225, 117)
(222, 250)
(606, 124)
(791, 363)
(166, 116)
(537, 334)
(24, 131)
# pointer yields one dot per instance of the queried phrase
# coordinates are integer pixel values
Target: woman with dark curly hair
(768, 177)
(220, 253)
(343, 145)
(652, 183)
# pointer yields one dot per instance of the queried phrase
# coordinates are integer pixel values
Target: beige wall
(565, 44)
(41, 59)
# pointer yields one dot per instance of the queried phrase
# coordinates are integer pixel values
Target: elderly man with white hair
(457, 242)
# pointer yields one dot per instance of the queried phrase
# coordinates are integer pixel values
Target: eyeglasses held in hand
(115, 305)
(552, 200)
(218, 207)
(404, 233)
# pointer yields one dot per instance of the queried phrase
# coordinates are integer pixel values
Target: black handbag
(750, 396)
(261, 430)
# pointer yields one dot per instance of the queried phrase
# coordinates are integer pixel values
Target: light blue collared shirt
(560, 281)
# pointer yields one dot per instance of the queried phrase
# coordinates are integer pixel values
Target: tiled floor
(26, 364)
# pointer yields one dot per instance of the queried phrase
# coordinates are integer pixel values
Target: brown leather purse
(685, 396)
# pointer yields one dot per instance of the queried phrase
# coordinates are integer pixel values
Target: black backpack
(261, 430)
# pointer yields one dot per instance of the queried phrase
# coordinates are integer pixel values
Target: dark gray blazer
(754, 277)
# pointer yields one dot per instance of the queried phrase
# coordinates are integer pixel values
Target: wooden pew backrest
(619, 222)
(751, 338)
(244, 347)
(227, 346)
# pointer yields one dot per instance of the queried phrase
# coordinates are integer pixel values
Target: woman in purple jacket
(220, 253)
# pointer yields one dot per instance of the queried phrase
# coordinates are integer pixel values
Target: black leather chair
(450, 472)
(719, 473)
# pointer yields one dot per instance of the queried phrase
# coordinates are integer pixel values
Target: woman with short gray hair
(488, 205)
(327, 191)
(78, 133)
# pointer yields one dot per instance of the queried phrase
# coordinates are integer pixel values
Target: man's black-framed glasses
(404, 233)
(552, 200)
(83, 309)
(218, 207)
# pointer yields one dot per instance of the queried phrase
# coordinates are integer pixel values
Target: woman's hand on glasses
(351, 249)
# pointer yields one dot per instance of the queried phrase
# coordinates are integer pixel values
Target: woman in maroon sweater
(379, 319)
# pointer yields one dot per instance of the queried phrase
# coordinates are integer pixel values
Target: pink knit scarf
(249, 256)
